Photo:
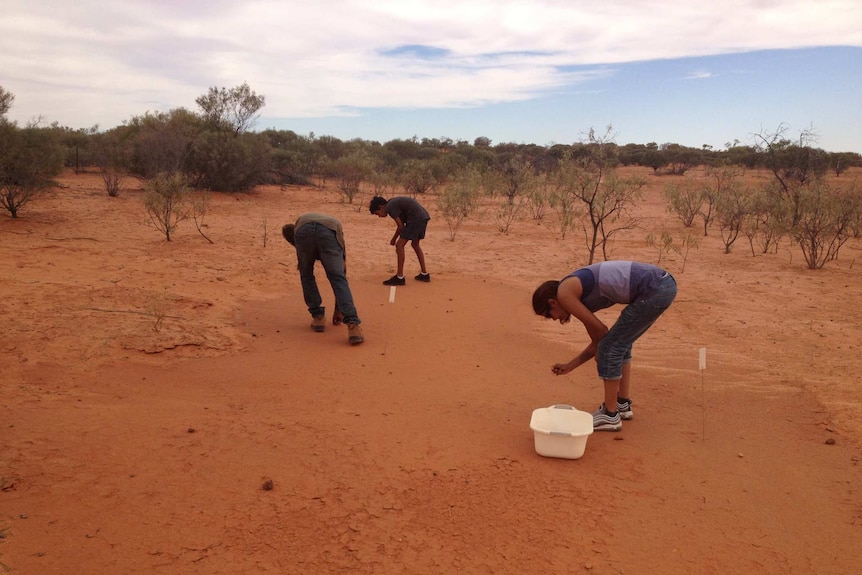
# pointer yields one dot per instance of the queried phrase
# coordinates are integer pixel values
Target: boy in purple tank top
(646, 291)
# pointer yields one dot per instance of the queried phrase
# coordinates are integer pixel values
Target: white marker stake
(702, 364)
(389, 320)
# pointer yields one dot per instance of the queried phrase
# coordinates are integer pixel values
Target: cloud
(93, 62)
(699, 75)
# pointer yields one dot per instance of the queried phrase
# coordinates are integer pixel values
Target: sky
(528, 72)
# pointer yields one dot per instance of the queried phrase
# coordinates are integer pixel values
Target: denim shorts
(637, 317)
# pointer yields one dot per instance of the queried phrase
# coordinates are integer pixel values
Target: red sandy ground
(130, 450)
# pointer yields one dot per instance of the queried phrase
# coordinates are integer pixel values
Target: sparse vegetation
(460, 199)
(29, 160)
(507, 213)
(215, 149)
(539, 197)
(6, 99)
(112, 179)
(417, 177)
(720, 182)
(684, 201)
(732, 209)
(165, 202)
(662, 245)
(349, 173)
(826, 216)
(157, 310)
(606, 198)
(200, 202)
(688, 242)
(264, 226)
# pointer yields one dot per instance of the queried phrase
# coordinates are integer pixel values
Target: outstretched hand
(561, 368)
(337, 317)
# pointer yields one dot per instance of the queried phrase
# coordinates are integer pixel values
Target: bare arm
(399, 227)
(569, 297)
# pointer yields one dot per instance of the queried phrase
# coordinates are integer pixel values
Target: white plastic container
(561, 431)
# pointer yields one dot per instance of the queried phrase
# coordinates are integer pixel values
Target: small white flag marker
(702, 358)
(392, 294)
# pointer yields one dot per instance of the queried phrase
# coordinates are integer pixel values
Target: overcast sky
(540, 71)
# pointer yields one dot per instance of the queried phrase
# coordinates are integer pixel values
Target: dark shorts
(414, 230)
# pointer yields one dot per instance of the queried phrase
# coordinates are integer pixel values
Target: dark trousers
(315, 242)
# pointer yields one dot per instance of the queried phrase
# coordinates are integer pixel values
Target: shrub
(460, 199)
(165, 202)
(29, 159)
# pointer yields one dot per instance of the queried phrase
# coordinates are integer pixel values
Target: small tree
(161, 142)
(840, 162)
(200, 202)
(165, 202)
(459, 199)
(720, 180)
(654, 158)
(349, 173)
(417, 177)
(507, 214)
(233, 110)
(381, 180)
(731, 210)
(768, 220)
(680, 159)
(684, 201)
(607, 210)
(561, 198)
(605, 197)
(794, 165)
(664, 245)
(29, 160)
(6, 99)
(826, 217)
(228, 164)
(539, 197)
(227, 156)
(688, 242)
(112, 154)
(517, 177)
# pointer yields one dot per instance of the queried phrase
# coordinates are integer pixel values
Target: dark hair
(287, 231)
(375, 204)
(543, 293)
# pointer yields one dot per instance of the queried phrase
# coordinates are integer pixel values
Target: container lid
(561, 419)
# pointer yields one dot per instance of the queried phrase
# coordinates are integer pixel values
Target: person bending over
(411, 221)
(319, 237)
(645, 290)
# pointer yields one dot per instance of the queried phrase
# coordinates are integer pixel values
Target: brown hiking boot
(318, 323)
(354, 334)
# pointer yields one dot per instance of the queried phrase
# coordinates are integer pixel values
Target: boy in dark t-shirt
(411, 221)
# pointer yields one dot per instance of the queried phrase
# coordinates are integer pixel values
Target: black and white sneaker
(624, 408)
(423, 277)
(603, 421)
(394, 281)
